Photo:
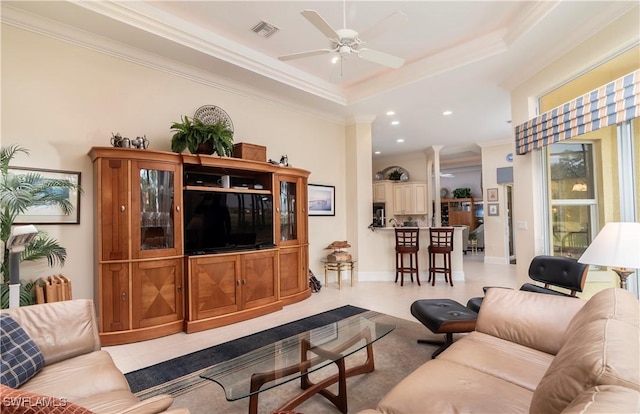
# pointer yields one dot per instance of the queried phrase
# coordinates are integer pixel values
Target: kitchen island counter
(383, 269)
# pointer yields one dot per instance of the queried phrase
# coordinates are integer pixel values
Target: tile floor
(385, 297)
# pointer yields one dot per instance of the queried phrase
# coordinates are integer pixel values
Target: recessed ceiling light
(377, 152)
(395, 122)
(447, 113)
(389, 113)
(335, 59)
(400, 140)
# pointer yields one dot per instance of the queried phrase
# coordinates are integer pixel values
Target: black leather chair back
(563, 272)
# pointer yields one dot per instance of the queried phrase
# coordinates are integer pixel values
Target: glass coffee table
(297, 356)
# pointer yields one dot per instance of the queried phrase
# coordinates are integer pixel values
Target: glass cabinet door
(157, 224)
(288, 216)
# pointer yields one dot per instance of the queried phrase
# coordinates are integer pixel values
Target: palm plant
(18, 192)
(198, 137)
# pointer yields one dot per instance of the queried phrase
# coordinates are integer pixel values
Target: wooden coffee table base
(310, 388)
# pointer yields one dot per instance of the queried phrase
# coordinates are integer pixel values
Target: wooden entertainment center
(147, 287)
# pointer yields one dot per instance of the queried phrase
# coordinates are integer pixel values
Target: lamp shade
(617, 245)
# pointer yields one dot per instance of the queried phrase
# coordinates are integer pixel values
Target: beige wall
(620, 35)
(59, 100)
(496, 248)
(415, 164)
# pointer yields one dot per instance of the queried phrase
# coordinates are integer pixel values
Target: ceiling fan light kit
(346, 41)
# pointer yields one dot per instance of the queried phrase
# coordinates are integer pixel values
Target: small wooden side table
(338, 267)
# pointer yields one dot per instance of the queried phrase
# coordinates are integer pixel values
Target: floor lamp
(21, 237)
(617, 246)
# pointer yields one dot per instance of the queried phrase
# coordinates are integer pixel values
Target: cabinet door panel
(379, 195)
(157, 292)
(290, 271)
(113, 209)
(114, 294)
(259, 279)
(420, 199)
(402, 199)
(290, 205)
(156, 218)
(214, 286)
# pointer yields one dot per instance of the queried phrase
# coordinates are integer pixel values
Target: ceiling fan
(347, 42)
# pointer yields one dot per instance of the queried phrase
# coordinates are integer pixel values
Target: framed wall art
(494, 209)
(492, 194)
(322, 200)
(51, 214)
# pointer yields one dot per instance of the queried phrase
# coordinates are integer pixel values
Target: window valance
(615, 102)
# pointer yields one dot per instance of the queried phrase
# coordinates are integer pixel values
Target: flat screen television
(218, 222)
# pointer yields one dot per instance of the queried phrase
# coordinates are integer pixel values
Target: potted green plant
(462, 193)
(395, 175)
(18, 192)
(201, 138)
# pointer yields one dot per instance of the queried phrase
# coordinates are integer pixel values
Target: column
(359, 192)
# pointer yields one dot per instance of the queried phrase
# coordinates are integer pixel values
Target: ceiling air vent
(264, 29)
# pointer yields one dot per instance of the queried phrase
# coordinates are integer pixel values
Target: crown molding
(58, 31)
(447, 60)
(167, 26)
(568, 43)
(528, 19)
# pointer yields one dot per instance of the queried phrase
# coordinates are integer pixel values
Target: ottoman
(443, 316)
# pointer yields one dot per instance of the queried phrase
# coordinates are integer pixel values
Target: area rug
(396, 356)
(178, 375)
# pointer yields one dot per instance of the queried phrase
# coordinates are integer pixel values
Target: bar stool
(407, 243)
(441, 242)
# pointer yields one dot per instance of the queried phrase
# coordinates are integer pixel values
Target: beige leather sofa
(533, 353)
(76, 369)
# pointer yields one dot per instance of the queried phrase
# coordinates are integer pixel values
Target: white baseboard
(458, 275)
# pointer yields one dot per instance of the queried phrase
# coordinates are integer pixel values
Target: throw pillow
(21, 358)
(24, 402)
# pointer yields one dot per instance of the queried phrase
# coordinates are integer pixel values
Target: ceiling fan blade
(381, 58)
(320, 23)
(305, 54)
(393, 20)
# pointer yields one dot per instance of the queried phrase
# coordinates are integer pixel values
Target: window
(573, 197)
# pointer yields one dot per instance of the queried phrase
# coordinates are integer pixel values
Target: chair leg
(401, 269)
(432, 270)
(417, 271)
(411, 266)
(449, 270)
(396, 268)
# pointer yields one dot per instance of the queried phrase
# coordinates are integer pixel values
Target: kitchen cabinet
(383, 191)
(410, 198)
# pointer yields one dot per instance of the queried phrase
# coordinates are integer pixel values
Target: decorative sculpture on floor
(338, 254)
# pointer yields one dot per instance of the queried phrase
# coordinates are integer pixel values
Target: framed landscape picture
(322, 200)
(51, 214)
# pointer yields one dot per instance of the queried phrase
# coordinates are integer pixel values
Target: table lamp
(617, 246)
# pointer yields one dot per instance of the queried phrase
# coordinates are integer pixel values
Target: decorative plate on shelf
(210, 114)
(444, 192)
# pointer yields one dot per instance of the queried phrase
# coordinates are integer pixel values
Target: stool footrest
(443, 316)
